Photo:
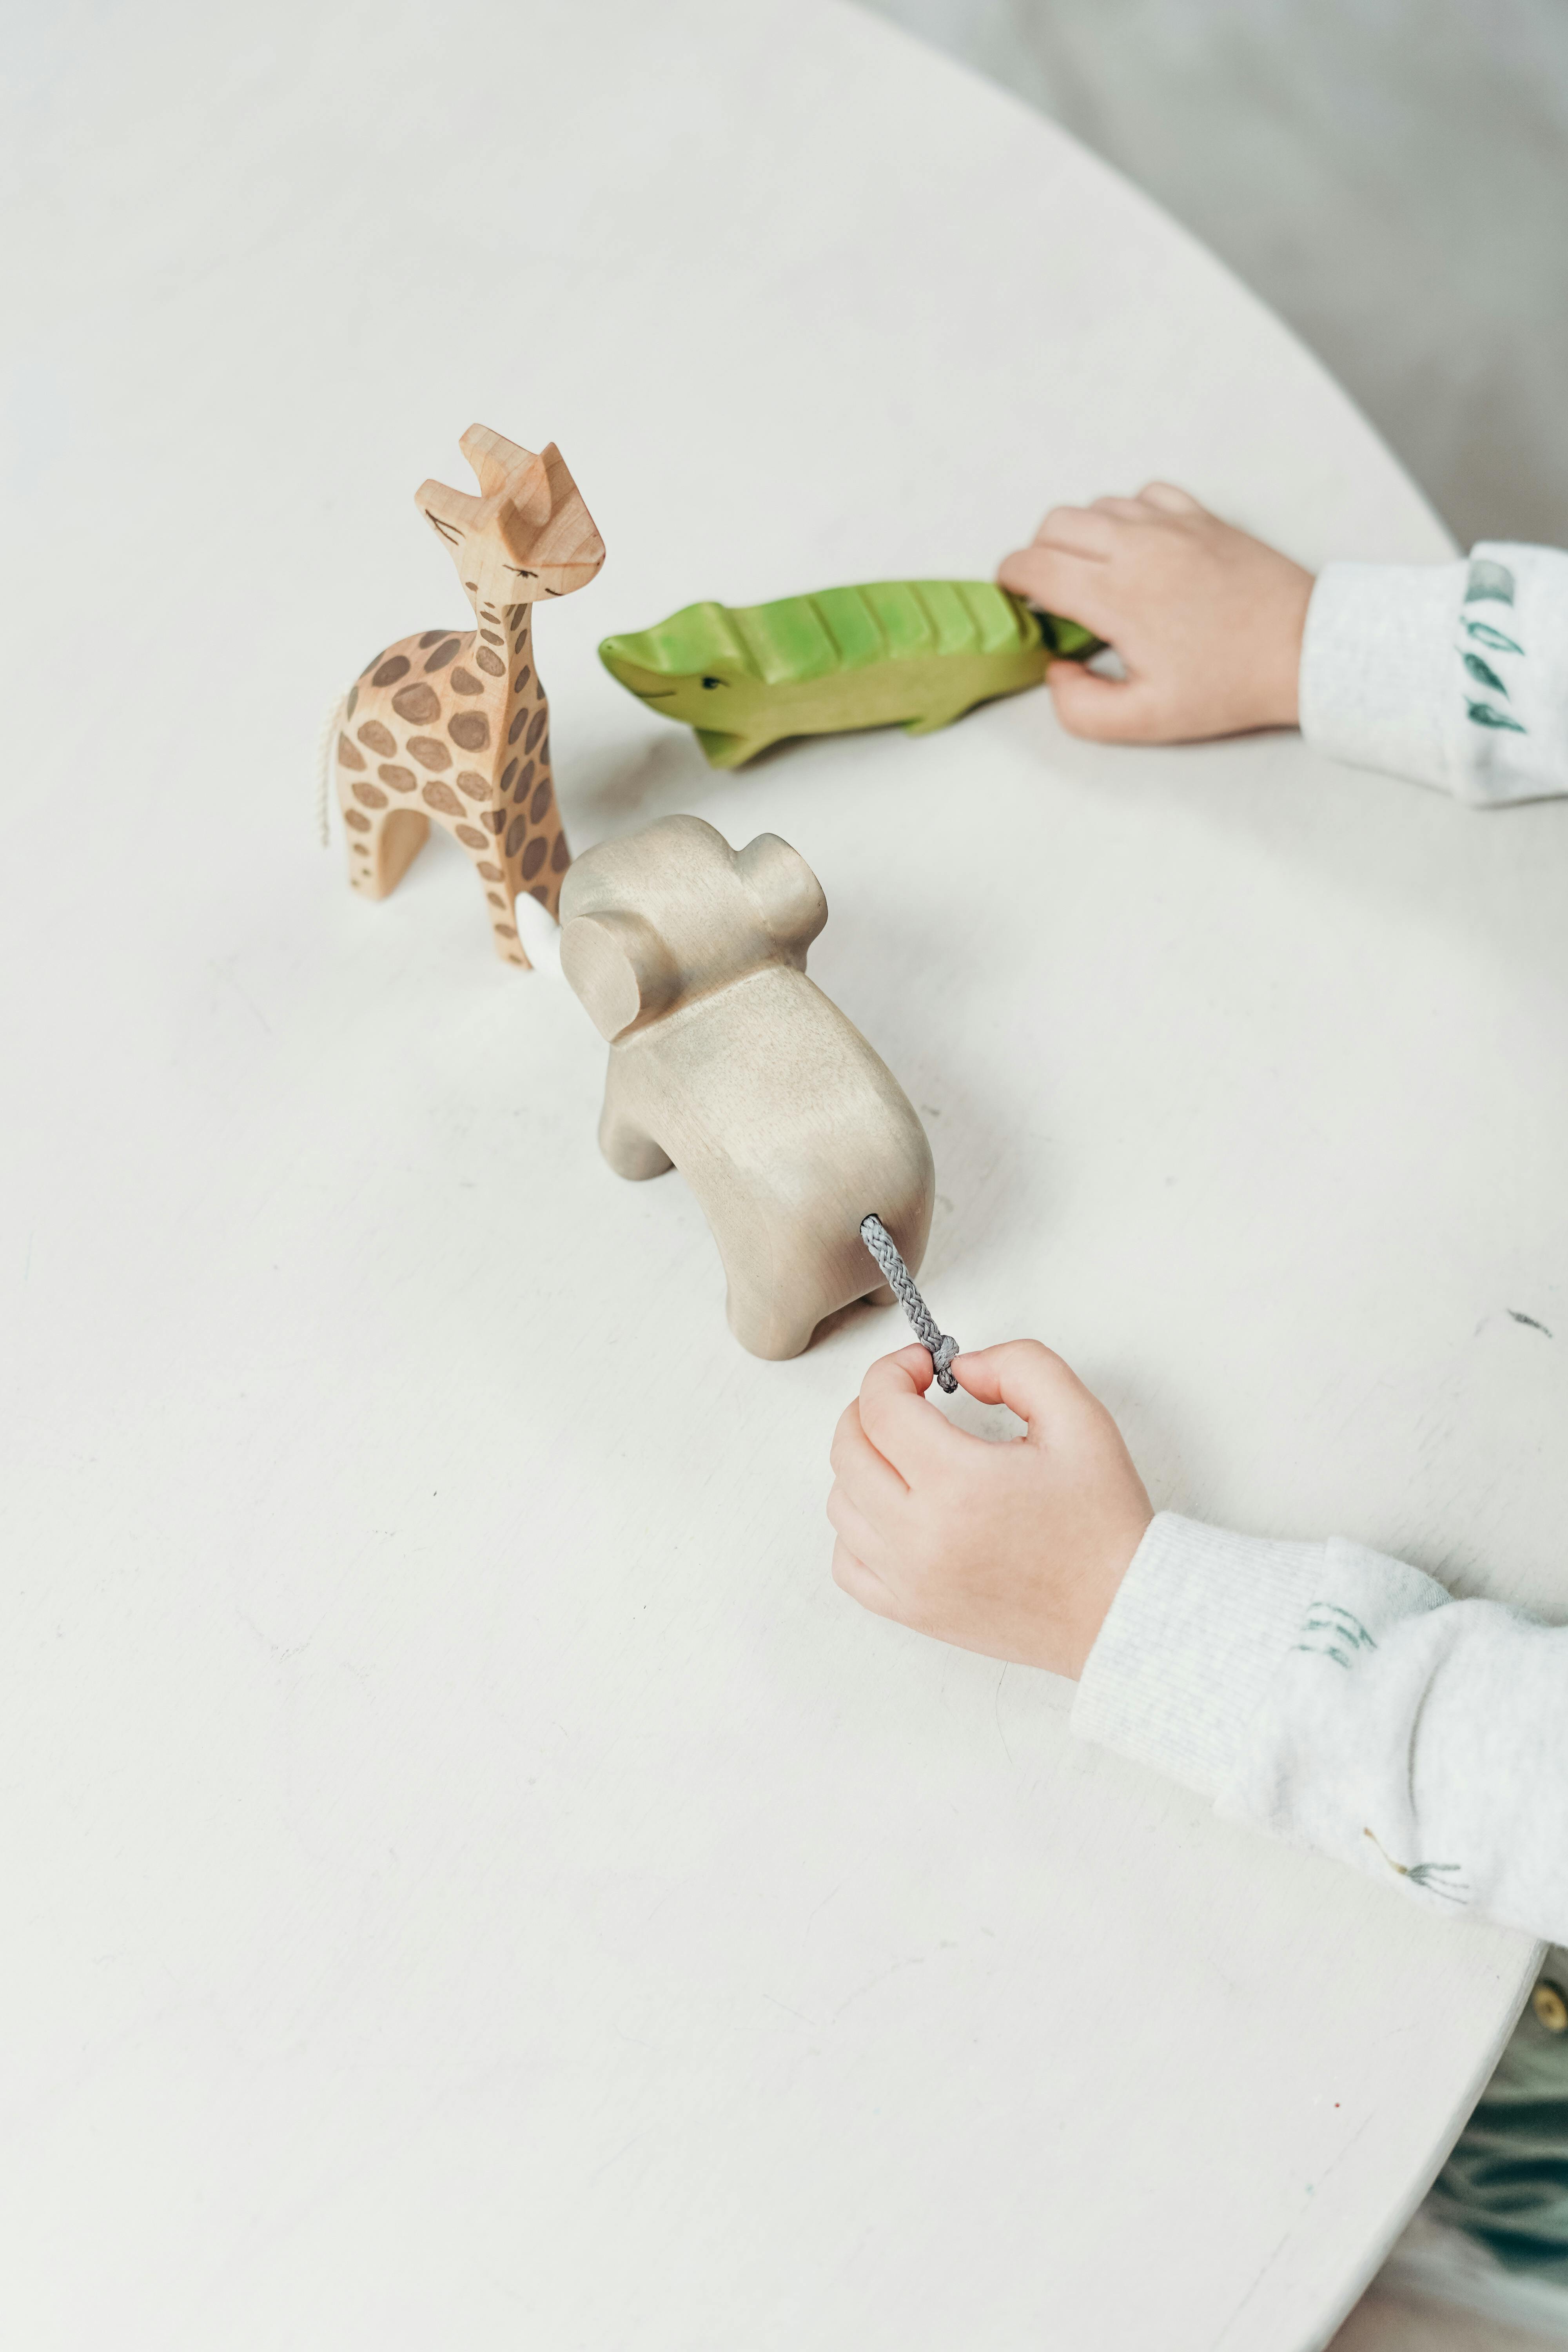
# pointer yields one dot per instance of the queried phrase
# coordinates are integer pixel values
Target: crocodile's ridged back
(689, 642)
(838, 629)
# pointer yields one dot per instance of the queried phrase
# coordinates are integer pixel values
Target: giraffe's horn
(493, 458)
(451, 514)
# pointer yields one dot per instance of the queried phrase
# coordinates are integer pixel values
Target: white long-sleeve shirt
(1452, 674)
(1326, 1693)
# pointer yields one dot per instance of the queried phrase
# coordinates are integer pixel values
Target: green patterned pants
(1507, 2180)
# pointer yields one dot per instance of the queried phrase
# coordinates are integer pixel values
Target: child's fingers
(1088, 532)
(861, 1583)
(910, 1433)
(1029, 1377)
(1107, 710)
(854, 1528)
(1173, 500)
(1057, 582)
(869, 1476)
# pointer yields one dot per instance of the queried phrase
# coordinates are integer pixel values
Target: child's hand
(1013, 1549)
(1207, 622)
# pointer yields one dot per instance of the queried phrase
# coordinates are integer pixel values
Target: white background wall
(1392, 175)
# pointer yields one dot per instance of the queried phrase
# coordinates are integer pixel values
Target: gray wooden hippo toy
(729, 1064)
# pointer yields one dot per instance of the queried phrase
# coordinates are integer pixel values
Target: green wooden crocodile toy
(915, 653)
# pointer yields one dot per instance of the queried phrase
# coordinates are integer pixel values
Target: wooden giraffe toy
(453, 725)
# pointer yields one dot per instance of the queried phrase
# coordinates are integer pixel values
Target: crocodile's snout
(627, 663)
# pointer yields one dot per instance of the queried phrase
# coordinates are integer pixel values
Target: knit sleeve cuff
(1191, 1641)
(1378, 670)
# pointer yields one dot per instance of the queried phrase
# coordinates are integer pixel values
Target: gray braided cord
(940, 1346)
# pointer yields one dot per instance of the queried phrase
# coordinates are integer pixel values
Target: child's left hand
(1014, 1548)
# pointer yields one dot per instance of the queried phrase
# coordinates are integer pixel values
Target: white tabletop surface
(471, 1880)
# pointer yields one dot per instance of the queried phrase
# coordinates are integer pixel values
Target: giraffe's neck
(519, 696)
(501, 665)
(511, 720)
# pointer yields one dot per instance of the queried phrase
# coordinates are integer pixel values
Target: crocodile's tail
(1061, 637)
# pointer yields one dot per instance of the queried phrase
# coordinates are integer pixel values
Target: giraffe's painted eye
(713, 681)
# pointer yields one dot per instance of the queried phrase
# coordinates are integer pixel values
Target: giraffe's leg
(529, 855)
(537, 850)
(382, 845)
(474, 831)
(496, 881)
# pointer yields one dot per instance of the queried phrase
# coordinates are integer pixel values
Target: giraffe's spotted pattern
(451, 741)
(419, 704)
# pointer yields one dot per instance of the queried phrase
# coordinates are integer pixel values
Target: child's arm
(1326, 1693)
(1452, 673)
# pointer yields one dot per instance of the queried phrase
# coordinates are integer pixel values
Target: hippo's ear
(784, 891)
(619, 967)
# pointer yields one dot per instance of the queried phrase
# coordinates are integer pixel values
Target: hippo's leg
(766, 1327)
(626, 1143)
(777, 1319)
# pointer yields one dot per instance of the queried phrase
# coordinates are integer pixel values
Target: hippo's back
(763, 1092)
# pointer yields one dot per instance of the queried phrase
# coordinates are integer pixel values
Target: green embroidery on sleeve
(1489, 581)
(1329, 1632)
(1493, 638)
(1484, 672)
(1483, 715)
(1435, 1877)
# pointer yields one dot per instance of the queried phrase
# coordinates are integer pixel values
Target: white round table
(472, 1880)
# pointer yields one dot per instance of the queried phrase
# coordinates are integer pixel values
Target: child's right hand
(1013, 1547)
(1207, 622)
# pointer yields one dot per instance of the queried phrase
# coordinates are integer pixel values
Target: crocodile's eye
(713, 681)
